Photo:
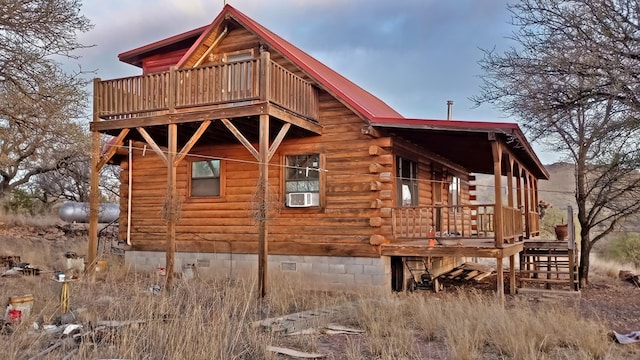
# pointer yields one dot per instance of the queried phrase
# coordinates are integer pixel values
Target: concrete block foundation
(320, 272)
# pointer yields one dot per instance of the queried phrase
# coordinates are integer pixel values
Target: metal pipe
(449, 109)
(130, 175)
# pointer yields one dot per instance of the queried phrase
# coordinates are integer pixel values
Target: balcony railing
(224, 84)
(457, 223)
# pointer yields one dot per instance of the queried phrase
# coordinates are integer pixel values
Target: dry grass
(207, 319)
(210, 320)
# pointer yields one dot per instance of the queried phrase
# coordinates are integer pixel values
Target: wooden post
(512, 274)
(170, 203)
(265, 76)
(263, 192)
(171, 91)
(527, 209)
(94, 194)
(94, 198)
(497, 173)
(500, 278)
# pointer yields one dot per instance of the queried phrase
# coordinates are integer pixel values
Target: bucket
(188, 271)
(101, 265)
(21, 304)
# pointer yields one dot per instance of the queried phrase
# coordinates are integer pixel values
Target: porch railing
(455, 222)
(224, 84)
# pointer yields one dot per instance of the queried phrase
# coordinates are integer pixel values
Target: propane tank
(78, 212)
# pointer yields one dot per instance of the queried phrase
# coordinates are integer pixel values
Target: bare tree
(572, 81)
(40, 103)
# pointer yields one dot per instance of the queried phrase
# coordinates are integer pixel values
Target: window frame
(221, 180)
(321, 183)
(412, 182)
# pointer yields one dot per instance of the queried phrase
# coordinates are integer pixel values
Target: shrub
(625, 249)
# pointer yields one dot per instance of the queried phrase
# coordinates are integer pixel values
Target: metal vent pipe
(449, 109)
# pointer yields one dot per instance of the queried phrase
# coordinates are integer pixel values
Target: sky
(413, 54)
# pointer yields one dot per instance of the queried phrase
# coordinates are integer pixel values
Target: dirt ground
(607, 299)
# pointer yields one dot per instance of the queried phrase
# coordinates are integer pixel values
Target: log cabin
(244, 153)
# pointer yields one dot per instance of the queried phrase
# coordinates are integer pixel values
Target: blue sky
(413, 54)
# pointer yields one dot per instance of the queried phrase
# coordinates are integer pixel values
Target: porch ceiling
(465, 144)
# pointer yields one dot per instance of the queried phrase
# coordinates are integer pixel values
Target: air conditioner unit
(305, 199)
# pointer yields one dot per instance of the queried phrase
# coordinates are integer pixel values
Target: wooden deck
(468, 248)
(211, 87)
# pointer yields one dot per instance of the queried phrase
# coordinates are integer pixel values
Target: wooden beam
(153, 144)
(411, 248)
(296, 120)
(170, 202)
(213, 45)
(194, 138)
(278, 140)
(182, 115)
(112, 150)
(243, 139)
(262, 198)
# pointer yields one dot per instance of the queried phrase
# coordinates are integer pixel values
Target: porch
(463, 231)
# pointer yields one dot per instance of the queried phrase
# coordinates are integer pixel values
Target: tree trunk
(585, 251)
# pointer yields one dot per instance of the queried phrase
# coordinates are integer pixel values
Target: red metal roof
(134, 57)
(514, 138)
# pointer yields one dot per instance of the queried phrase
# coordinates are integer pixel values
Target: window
(454, 191)
(407, 173)
(205, 178)
(302, 180)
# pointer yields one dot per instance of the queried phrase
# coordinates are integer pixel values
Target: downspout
(130, 175)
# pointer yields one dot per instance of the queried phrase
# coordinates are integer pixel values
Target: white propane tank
(78, 212)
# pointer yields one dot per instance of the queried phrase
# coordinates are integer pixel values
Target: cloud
(413, 54)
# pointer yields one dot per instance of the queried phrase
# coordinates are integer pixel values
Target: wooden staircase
(548, 265)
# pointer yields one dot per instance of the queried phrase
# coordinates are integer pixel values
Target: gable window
(205, 178)
(302, 180)
(407, 182)
(454, 191)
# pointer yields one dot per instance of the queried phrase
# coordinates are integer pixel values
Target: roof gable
(358, 99)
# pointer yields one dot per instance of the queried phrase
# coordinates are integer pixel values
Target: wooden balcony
(460, 225)
(222, 85)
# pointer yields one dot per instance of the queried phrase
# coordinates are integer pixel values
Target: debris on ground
(331, 329)
(18, 269)
(300, 320)
(295, 353)
(626, 275)
(630, 338)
